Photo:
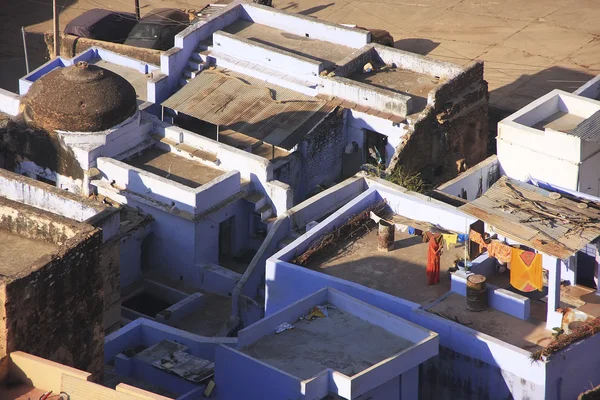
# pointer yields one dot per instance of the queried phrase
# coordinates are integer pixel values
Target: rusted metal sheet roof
(525, 213)
(238, 102)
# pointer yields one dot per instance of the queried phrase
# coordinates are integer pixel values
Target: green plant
(410, 180)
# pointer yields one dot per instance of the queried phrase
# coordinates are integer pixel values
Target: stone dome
(81, 98)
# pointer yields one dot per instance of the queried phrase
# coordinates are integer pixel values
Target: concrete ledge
(181, 309)
(499, 299)
(9, 102)
(280, 60)
(216, 279)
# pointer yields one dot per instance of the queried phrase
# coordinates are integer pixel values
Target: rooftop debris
(355, 227)
(587, 329)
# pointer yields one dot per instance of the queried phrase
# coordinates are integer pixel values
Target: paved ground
(529, 47)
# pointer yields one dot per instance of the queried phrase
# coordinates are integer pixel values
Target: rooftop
(177, 168)
(315, 49)
(17, 253)
(403, 81)
(560, 121)
(341, 341)
(400, 272)
(527, 214)
(247, 110)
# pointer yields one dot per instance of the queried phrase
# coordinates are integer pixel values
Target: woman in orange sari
(433, 258)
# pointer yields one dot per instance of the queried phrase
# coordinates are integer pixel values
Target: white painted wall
(548, 156)
(470, 179)
(9, 102)
(589, 175)
(303, 25)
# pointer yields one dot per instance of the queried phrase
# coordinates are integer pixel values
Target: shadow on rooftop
(416, 45)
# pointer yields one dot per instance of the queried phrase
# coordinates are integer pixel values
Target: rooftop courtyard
(413, 84)
(313, 346)
(177, 168)
(400, 272)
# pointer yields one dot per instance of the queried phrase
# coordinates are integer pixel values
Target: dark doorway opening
(226, 239)
(375, 144)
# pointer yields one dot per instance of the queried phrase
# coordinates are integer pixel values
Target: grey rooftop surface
(17, 253)
(176, 168)
(341, 341)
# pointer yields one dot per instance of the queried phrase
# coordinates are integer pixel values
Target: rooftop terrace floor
(18, 253)
(136, 78)
(401, 81)
(400, 272)
(560, 121)
(177, 168)
(318, 50)
(341, 341)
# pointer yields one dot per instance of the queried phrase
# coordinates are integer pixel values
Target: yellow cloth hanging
(526, 272)
(450, 238)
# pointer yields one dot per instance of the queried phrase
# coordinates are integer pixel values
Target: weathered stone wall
(56, 310)
(323, 151)
(110, 270)
(291, 174)
(71, 45)
(451, 136)
(18, 143)
(54, 307)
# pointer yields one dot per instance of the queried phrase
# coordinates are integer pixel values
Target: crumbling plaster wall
(451, 134)
(54, 309)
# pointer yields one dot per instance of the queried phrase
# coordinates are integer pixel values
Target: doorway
(226, 239)
(375, 144)
(586, 266)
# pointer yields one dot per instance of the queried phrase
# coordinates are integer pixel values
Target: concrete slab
(547, 40)
(340, 341)
(529, 335)
(587, 56)
(18, 253)
(400, 272)
(177, 168)
(512, 9)
(464, 27)
(583, 17)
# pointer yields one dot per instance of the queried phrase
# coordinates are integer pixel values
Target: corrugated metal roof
(238, 102)
(527, 214)
(589, 129)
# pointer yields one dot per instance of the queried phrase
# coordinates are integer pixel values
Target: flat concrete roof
(137, 79)
(560, 121)
(176, 168)
(401, 81)
(340, 341)
(318, 50)
(18, 253)
(400, 272)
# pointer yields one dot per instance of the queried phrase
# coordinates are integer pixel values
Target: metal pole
(217, 133)
(137, 9)
(55, 17)
(25, 49)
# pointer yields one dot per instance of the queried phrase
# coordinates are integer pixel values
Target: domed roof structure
(81, 98)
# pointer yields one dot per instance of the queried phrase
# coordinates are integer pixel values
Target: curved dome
(81, 98)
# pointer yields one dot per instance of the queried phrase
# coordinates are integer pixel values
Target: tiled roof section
(589, 129)
(527, 214)
(238, 102)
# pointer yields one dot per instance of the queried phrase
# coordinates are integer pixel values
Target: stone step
(258, 199)
(265, 212)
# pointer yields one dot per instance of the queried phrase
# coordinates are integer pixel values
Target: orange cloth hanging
(500, 251)
(526, 270)
(433, 258)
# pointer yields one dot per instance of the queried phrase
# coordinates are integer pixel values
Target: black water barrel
(476, 293)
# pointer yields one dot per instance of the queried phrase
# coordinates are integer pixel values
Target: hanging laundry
(462, 237)
(500, 251)
(433, 258)
(449, 239)
(411, 230)
(476, 239)
(526, 273)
